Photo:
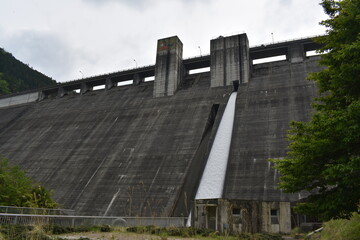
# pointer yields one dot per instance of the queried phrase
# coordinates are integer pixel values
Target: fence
(71, 221)
(36, 211)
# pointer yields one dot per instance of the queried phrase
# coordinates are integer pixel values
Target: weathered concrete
(122, 151)
(277, 93)
(119, 152)
(19, 99)
(230, 60)
(294, 51)
(109, 84)
(238, 216)
(168, 67)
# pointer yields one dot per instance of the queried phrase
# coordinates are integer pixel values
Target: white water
(212, 182)
(188, 222)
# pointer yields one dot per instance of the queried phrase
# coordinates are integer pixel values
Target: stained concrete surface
(116, 152)
(277, 94)
(123, 152)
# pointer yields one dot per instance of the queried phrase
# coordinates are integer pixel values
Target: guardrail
(37, 211)
(286, 41)
(71, 221)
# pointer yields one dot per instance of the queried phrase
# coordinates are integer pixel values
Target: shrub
(136, 229)
(17, 232)
(105, 228)
(342, 229)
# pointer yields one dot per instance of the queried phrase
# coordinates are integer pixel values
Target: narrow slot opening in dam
(124, 83)
(99, 87)
(269, 59)
(149, 79)
(199, 70)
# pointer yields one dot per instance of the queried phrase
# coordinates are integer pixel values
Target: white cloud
(99, 36)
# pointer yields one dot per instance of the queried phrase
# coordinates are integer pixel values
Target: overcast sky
(60, 38)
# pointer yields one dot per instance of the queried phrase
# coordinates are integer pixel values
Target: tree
(324, 153)
(4, 86)
(16, 189)
(14, 185)
(41, 197)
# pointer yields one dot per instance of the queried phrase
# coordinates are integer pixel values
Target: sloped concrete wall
(119, 152)
(277, 93)
(124, 152)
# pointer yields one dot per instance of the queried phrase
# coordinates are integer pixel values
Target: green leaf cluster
(4, 85)
(324, 155)
(16, 189)
(16, 76)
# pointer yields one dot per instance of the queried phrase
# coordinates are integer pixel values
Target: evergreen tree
(324, 155)
(16, 76)
(4, 85)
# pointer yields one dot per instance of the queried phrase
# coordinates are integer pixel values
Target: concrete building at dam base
(143, 149)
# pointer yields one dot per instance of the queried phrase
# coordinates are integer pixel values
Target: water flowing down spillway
(212, 182)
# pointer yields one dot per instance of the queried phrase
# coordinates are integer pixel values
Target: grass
(44, 232)
(50, 232)
(341, 229)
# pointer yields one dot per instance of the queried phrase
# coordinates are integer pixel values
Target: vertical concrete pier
(84, 88)
(137, 79)
(229, 60)
(168, 68)
(61, 92)
(296, 53)
(109, 83)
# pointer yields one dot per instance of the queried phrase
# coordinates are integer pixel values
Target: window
(274, 216)
(236, 211)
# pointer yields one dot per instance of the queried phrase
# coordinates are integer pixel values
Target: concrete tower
(168, 68)
(229, 60)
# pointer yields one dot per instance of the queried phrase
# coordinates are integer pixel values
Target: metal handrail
(285, 41)
(75, 220)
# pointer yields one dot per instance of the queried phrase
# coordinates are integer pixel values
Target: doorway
(211, 219)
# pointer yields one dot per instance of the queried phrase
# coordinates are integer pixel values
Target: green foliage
(18, 190)
(196, 232)
(56, 229)
(342, 229)
(324, 156)
(41, 197)
(20, 232)
(170, 231)
(4, 86)
(16, 76)
(105, 228)
(15, 186)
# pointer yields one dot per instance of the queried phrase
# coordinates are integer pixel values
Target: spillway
(212, 182)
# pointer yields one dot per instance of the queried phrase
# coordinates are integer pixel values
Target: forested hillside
(16, 76)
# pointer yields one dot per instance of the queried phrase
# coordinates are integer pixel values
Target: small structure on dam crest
(141, 149)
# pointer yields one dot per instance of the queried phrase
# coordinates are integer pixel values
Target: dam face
(141, 149)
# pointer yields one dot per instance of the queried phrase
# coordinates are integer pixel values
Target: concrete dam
(141, 149)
